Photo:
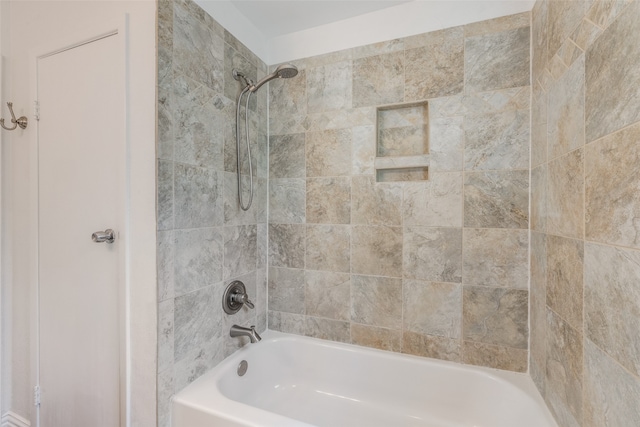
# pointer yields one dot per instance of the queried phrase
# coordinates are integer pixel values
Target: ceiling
(275, 18)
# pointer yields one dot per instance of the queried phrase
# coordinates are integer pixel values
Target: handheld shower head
(284, 71)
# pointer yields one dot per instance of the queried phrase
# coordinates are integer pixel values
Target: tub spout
(239, 331)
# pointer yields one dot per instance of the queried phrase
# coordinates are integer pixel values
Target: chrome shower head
(284, 71)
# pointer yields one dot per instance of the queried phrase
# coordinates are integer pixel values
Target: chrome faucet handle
(235, 296)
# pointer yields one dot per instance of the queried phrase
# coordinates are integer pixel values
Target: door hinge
(37, 110)
(36, 395)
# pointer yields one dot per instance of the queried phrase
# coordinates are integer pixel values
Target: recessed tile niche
(402, 145)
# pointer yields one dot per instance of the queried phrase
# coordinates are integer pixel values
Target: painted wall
(435, 268)
(585, 249)
(32, 24)
(204, 240)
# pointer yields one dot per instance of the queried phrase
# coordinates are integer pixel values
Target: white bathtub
(298, 381)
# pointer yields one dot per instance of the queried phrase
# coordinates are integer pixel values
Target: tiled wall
(585, 246)
(204, 240)
(435, 268)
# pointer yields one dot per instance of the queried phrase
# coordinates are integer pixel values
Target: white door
(81, 155)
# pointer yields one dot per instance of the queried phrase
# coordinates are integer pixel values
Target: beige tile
(564, 369)
(431, 308)
(286, 156)
(329, 87)
(433, 254)
(328, 153)
(375, 203)
(613, 77)
(286, 200)
(380, 338)
(497, 60)
(430, 346)
(565, 120)
(565, 262)
(586, 33)
(376, 250)
(380, 48)
(612, 172)
(495, 316)
(564, 16)
(604, 12)
(329, 200)
(497, 25)
(376, 301)
(565, 203)
(327, 294)
(363, 150)
(328, 248)
(378, 79)
(288, 105)
(494, 356)
(612, 302)
(538, 198)
(327, 329)
(537, 303)
(435, 69)
(611, 395)
(496, 199)
(539, 29)
(495, 257)
(434, 203)
(446, 143)
(287, 245)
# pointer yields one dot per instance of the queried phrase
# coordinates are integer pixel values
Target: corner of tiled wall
(585, 258)
(435, 268)
(204, 240)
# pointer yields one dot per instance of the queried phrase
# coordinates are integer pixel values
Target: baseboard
(9, 419)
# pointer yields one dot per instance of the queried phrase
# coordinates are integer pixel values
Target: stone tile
(604, 12)
(564, 369)
(287, 245)
(288, 105)
(240, 250)
(565, 263)
(612, 98)
(198, 259)
(165, 334)
(198, 197)
(195, 324)
(363, 150)
(340, 119)
(612, 302)
(497, 25)
(376, 301)
(236, 60)
(378, 79)
(286, 290)
(563, 17)
(327, 329)
(537, 303)
(538, 198)
(586, 33)
(287, 156)
(380, 338)
(495, 257)
(198, 50)
(494, 356)
(375, 203)
(243, 50)
(429, 346)
(197, 362)
(432, 308)
(328, 153)
(495, 316)
(286, 322)
(497, 60)
(328, 248)
(329, 87)
(446, 143)
(328, 200)
(435, 69)
(434, 203)
(327, 294)
(165, 197)
(165, 392)
(612, 171)
(287, 199)
(496, 199)
(233, 214)
(403, 131)
(433, 254)
(565, 203)
(611, 395)
(375, 49)
(376, 250)
(165, 124)
(497, 141)
(557, 66)
(565, 120)
(539, 29)
(165, 264)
